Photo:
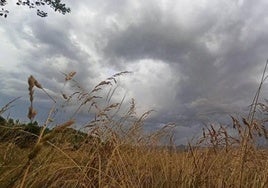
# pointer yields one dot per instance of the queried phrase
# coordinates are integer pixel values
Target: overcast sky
(192, 61)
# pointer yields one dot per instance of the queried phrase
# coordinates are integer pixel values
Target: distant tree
(11, 121)
(2, 120)
(56, 5)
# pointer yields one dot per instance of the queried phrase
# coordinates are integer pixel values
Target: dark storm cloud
(55, 41)
(54, 52)
(192, 62)
(150, 40)
(218, 60)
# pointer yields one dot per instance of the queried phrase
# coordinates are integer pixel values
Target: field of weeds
(113, 151)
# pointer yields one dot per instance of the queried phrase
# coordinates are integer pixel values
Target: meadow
(112, 150)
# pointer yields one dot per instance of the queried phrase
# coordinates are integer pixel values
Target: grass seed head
(37, 84)
(70, 76)
(31, 113)
(63, 126)
(64, 96)
(31, 81)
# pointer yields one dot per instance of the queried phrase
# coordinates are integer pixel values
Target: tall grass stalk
(249, 122)
(114, 151)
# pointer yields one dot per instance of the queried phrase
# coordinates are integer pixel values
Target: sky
(193, 62)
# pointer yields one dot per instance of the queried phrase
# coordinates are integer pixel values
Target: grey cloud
(222, 76)
(190, 64)
(56, 41)
(152, 40)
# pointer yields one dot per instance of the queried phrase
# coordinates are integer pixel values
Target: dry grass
(100, 165)
(113, 150)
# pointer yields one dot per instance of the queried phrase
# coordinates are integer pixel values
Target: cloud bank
(192, 62)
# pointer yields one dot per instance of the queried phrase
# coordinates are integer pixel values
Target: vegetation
(56, 5)
(113, 151)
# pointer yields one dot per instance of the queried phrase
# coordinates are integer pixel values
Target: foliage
(2, 120)
(22, 135)
(56, 5)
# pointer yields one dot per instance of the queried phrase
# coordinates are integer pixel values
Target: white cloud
(153, 84)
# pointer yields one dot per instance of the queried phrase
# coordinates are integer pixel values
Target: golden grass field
(114, 151)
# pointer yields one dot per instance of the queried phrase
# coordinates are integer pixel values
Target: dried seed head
(31, 113)
(70, 76)
(50, 120)
(31, 92)
(103, 83)
(121, 73)
(96, 89)
(246, 122)
(63, 126)
(31, 81)
(64, 96)
(47, 137)
(204, 133)
(37, 84)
